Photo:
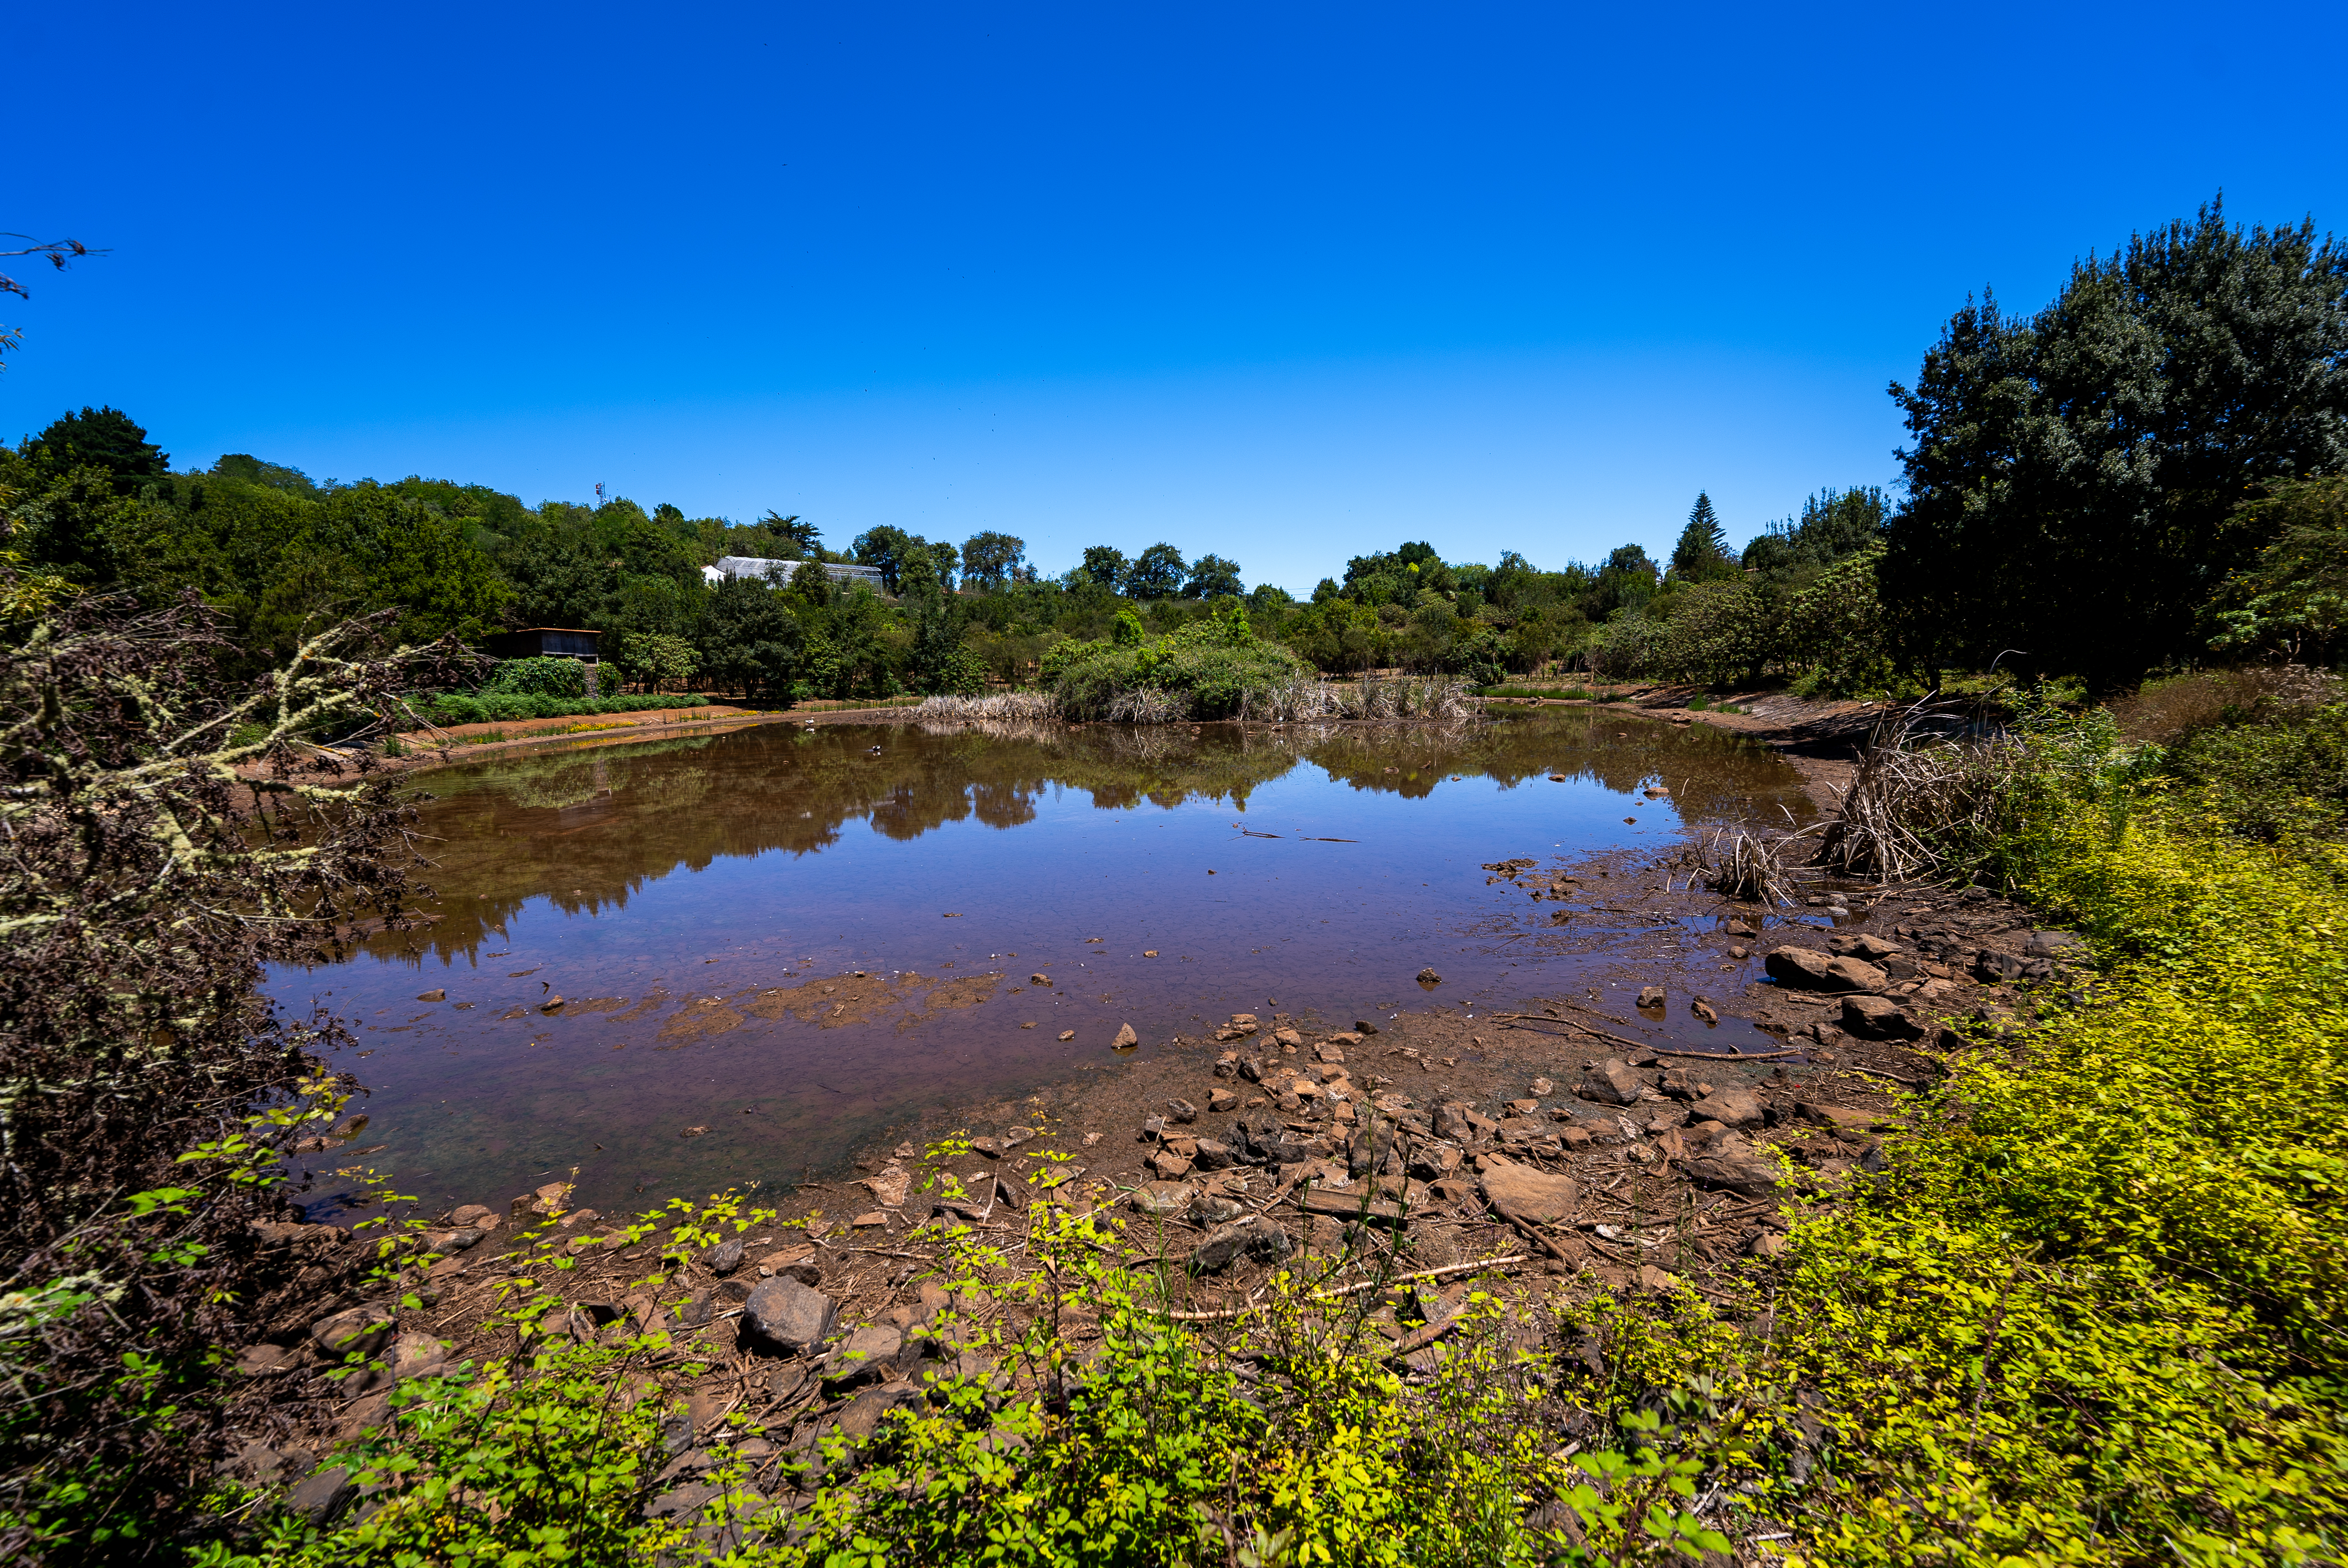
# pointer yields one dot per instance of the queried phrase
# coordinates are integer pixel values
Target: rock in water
(1535, 1195)
(787, 1315)
(1651, 996)
(1125, 1038)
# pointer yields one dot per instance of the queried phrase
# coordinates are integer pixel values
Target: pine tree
(1703, 548)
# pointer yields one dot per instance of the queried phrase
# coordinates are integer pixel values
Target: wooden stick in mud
(1345, 1290)
(1642, 1045)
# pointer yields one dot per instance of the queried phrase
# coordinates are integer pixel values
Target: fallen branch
(1345, 1290)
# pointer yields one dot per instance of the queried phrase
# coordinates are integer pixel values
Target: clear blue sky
(1282, 282)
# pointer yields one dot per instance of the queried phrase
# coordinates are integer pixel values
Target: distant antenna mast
(599, 492)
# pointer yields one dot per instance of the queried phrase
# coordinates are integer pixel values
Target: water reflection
(544, 826)
(690, 899)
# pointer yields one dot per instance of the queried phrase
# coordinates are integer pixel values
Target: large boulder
(1806, 969)
(786, 1314)
(1530, 1194)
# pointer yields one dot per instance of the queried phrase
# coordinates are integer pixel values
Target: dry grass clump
(993, 705)
(1307, 697)
(1150, 706)
(1909, 800)
(2163, 712)
(1746, 865)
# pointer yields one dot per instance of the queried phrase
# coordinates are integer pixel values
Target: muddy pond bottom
(772, 945)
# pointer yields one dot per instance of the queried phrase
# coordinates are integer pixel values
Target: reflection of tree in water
(587, 829)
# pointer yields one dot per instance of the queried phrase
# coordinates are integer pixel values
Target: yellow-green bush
(2093, 1311)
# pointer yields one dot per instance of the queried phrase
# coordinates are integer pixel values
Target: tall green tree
(104, 438)
(2071, 475)
(1106, 566)
(1702, 553)
(990, 560)
(1157, 573)
(1213, 576)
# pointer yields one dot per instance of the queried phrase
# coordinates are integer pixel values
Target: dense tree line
(2142, 474)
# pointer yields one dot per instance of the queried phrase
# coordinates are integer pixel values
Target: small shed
(545, 642)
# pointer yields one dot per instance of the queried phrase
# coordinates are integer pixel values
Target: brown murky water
(702, 904)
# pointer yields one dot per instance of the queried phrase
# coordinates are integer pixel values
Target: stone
(1802, 968)
(866, 1355)
(1522, 1107)
(1427, 977)
(1169, 1165)
(323, 1498)
(1433, 1161)
(437, 994)
(418, 1356)
(1877, 1018)
(1125, 1038)
(1287, 1039)
(783, 1313)
(1222, 1100)
(1363, 1026)
(865, 1413)
(1451, 1121)
(1740, 951)
(1610, 1082)
(1873, 949)
(1703, 1010)
(1254, 1237)
(1328, 1054)
(725, 1257)
(1163, 1198)
(1660, 1118)
(1844, 1118)
(1039, 980)
(1349, 1205)
(1734, 1166)
(1068, 1034)
(2050, 944)
(1768, 1243)
(1530, 1194)
(1214, 1154)
(1739, 928)
(1182, 1110)
(1654, 1281)
(1651, 996)
(1214, 1208)
(1679, 1083)
(1731, 1108)
(472, 1214)
(1994, 967)
(357, 1331)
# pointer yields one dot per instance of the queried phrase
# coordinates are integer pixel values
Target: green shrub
(1207, 669)
(505, 707)
(556, 678)
(2279, 780)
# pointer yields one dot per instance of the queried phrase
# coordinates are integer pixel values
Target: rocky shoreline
(1544, 1147)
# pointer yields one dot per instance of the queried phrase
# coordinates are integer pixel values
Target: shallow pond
(703, 907)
